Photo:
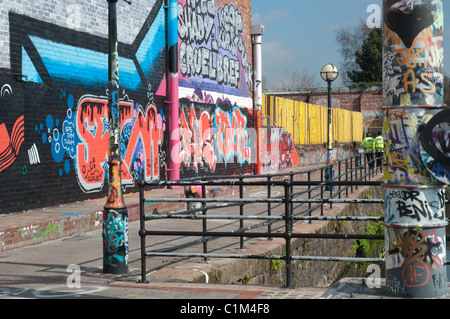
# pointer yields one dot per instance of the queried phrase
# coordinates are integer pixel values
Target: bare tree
(296, 80)
(350, 40)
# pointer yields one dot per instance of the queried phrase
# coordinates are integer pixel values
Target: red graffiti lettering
(147, 131)
(201, 136)
(278, 150)
(92, 153)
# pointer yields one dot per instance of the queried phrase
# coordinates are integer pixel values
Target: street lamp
(329, 73)
(115, 213)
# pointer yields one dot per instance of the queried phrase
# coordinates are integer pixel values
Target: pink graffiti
(278, 151)
(147, 131)
(196, 139)
(208, 140)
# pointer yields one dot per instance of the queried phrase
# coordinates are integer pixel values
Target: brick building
(367, 101)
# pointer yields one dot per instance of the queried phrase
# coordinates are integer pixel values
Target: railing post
(204, 224)
(339, 173)
(346, 176)
(288, 232)
(360, 162)
(351, 175)
(269, 205)
(142, 230)
(309, 196)
(292, 190)
(331, 168)
(321, 191)
(241, 210)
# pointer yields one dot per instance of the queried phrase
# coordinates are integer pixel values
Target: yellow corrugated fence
(307, 123)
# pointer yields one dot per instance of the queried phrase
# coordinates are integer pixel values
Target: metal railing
(281, 212)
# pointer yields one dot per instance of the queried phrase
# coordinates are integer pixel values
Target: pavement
(56, 253)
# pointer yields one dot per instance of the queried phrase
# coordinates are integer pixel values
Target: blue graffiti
(90, 68)
(62, 139)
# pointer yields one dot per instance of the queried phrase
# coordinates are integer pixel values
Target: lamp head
(329, 73)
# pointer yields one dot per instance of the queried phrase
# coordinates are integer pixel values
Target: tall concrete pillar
(415, 245)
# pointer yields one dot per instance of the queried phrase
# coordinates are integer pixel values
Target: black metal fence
(299, 195)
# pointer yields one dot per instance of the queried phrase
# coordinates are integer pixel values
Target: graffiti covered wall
(215, 52)
(216, 138)
(53, 99)
(217, 129)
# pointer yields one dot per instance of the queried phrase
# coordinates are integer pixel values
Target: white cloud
(274, 16)
(277, 57)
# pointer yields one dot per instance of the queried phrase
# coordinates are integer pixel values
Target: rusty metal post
(415, 240)
(115, 214)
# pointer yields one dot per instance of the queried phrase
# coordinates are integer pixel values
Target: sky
(301, 34)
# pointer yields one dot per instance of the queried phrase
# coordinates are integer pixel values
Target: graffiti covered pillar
(174, 109)
(115, 214)
(415, 240)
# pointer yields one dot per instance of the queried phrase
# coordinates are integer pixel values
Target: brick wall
(53, 100)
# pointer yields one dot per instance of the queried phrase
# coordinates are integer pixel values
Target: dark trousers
(370, 160)
(379, 155)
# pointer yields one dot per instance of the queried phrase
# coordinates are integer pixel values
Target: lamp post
(257, 32)
(329, 73)
(115, 213)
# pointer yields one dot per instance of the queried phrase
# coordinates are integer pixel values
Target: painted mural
(278, 149)
(54, 121)
(215, 135)
(212, 48)
(60, 134)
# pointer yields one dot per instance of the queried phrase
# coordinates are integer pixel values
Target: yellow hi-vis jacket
(368, 144)
(379, 143)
